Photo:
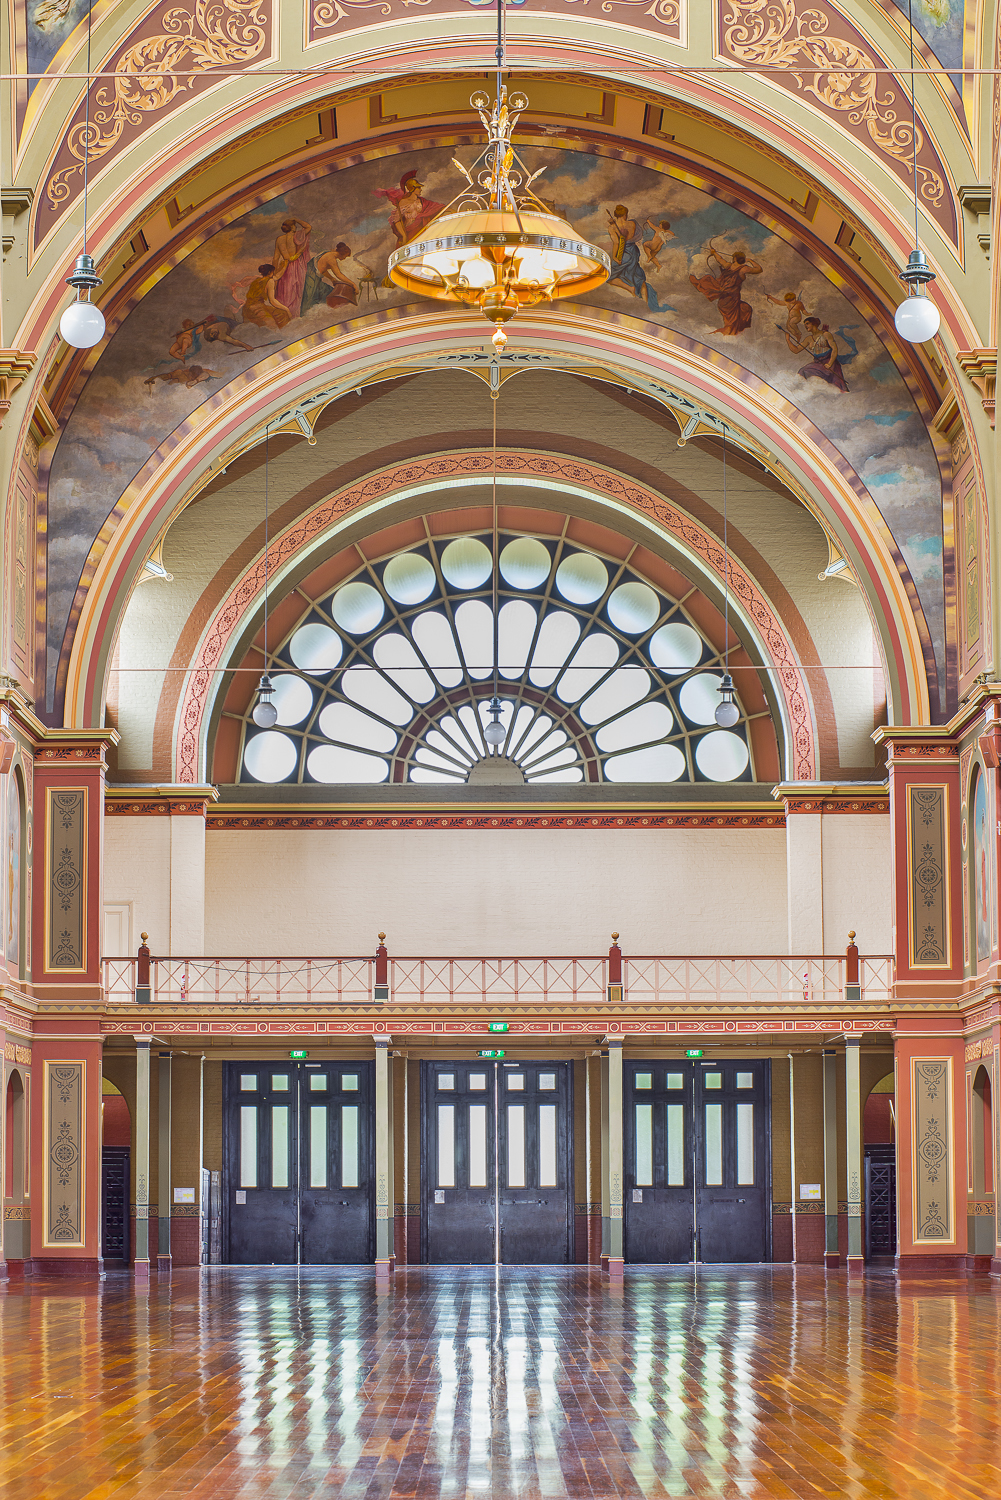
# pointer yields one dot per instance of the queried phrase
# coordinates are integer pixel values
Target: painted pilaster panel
(931, 1149)
(932, 1107)
(65, 1150)
(927, 868)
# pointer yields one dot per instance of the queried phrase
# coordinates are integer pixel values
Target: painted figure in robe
(821, 344)
(626, 268)
(725, 287)
(410, 211)
(291, 258)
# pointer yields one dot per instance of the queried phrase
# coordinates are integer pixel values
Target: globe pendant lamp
(917, 318)
(727, 713)
(497, 246)
(265, 714)
(82, 324)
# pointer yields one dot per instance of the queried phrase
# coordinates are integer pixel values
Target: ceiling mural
(315, 257)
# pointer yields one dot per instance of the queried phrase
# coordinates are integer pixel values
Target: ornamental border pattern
(434, 822)
(377, 1023)
(243, 597)
(934, 1168)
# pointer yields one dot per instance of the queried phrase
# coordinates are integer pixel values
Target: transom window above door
(602, 677)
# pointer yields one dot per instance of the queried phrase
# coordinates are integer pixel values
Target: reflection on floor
(735, 1383)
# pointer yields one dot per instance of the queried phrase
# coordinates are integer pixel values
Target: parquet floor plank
(733, 1383)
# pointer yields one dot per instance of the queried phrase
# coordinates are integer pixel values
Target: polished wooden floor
(736, 1383)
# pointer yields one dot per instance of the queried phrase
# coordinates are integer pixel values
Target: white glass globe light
(494, 733)
(82, 325)
(265, 714)
(727, 715)
(917, 319)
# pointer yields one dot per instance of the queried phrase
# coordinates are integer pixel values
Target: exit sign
(497, 1026)
(490, 1054)
(298, 1053)
(694, 1052)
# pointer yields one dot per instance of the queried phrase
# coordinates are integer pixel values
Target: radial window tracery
(601, 676)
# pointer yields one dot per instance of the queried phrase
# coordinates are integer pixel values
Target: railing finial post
(142, 971)
(382, 969)
(615, 971)
(853, 988)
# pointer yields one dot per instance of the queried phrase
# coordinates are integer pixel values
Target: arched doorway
(16, 1230)
(879, 1132)
(116, 1157)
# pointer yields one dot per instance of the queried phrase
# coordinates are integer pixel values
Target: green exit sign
(497, 1026)
(490, 1054)
(694, 1052)
(297, 1053)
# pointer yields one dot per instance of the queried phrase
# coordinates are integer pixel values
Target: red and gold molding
(432, 821)
(146, 802)
(475, 1028)
(833, 798)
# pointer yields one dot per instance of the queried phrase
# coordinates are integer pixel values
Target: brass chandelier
(497, 246)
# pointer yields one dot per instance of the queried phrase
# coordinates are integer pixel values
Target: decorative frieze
(432, 822)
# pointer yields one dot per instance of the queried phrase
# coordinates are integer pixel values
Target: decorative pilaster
(140, 1147)
(612, 1257)
(853, 1153)
(66, 1147)
(385, 1247)
(163, 1259)
(832, 1254)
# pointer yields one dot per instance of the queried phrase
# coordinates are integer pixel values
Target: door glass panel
(547, 1080)
(644, 1080)
(446, 1144)
(477, 1080)
(676, 1145)
(477, 1143)
(714, 1145)
(318, 1081)
(317, 1145)
(349, 1145)
(279, 1145)
(745, 1145)
(516, 1145)
(248, 1144)
(644, 1145)
(349, 1083)
(279, 1083)
(745, 1080)
(516, 1080)
(248, 1081)
(712, 1080)
(446, 1080)
(676, 1080)
(547, 1144)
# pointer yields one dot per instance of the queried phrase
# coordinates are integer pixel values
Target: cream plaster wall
(857, 858)
(137, 869)
(495, 893)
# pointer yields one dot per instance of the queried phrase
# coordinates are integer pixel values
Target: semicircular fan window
(602, 677)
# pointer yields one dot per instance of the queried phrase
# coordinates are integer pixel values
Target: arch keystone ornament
(228, 626)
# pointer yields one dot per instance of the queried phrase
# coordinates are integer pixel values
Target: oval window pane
(466, 563)
(474, 622)
(339, 721)
(408, 578)
(559, 635)
(435, 641)
(551, 762)
(358, 608)
(675, 647)
(329, 763)
(428, 758)
(624, 688)
(439, 741)
(515, 633)
(427, 776)
(316, 648)
(293, 698)
(699, 698)
(401, 664)
(721, 756)
(270, 756)
(525, 563)
(572, 773)
(591, 660)
(522, 740)
(633, 608)
(651, 721)
(366, 686)
(581, 578)
(658, 763)
(540, 752)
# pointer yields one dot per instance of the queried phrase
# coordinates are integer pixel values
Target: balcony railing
(663, 980)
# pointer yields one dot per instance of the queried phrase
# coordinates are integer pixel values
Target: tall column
(163, 1259)
(832, 1256)
(853, 1154)
(613, 1258)
(140, 1147)
(385, 1249)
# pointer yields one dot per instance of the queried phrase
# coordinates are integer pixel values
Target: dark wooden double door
(496, 1157)
(298, 1149)
(697, 1161)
